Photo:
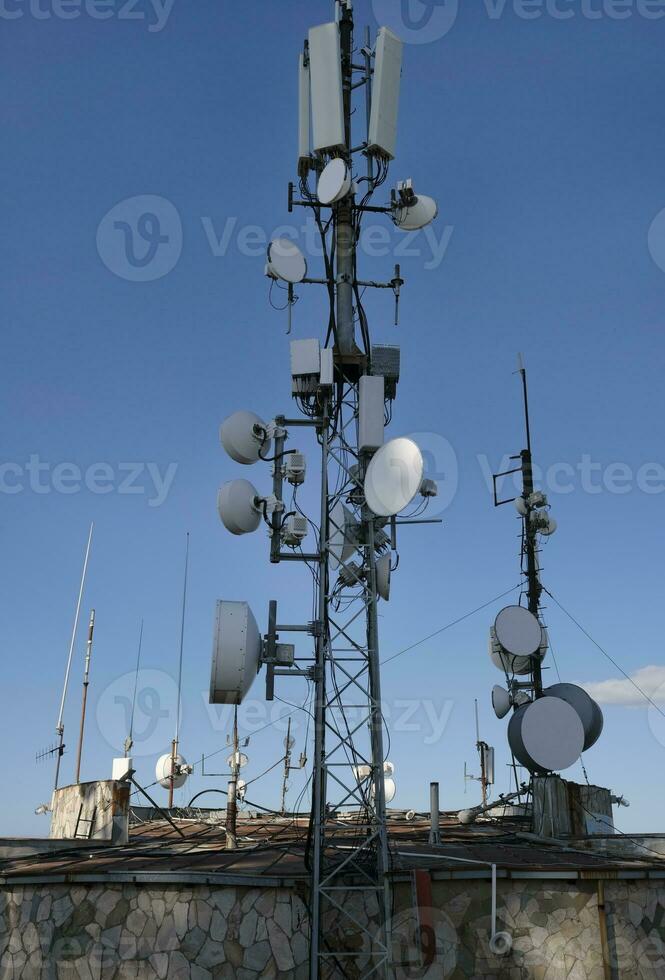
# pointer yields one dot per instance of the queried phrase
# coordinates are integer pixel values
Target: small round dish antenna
(236, 652)
(243, 436)
(521, 507)
(334, 182)
(389, 789)
(518, 631)
(500, 701)
(238, 508)
(546, 735)
(589, 711)
(422, 212)
(393, 477)
(286, 261)
(388, 768)
(165, 764)
(383, 576)
(239, 759)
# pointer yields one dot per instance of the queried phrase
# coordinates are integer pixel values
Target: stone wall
(99, 810)
(200, 932)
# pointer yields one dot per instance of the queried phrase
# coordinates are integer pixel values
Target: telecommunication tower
(344, 388)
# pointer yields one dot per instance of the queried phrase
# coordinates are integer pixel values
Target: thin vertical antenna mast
(287, 765)
(129, 741)
(60, 727)
(344, 232)
(534, 588)
(86, 675)
(174, 745)
(232, 797)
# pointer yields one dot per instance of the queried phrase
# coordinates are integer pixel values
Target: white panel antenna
(304, 136)
(325, 71)
(385, 94)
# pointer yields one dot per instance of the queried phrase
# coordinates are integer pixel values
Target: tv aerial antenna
(344, 390)
(486, 757)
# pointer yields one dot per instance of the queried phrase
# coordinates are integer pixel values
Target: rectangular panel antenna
(385, 94)
(325, 70)
(371, 410)
(304, 138)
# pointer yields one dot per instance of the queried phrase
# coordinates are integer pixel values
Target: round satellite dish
(361, 772)
(383, 576)
(590, 714)
(286, 261)
(521, 507)
(243, 436)
(518, 631)
(421, 213)
(237, 758)
(237, 508)
(334, 182)
(546, 735)
(388, 768)
(393, 477)
(235, 652)
(500, 701)
(389, 789)
(341, 535)
(163, 771)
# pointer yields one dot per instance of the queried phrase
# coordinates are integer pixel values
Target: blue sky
(542, 140)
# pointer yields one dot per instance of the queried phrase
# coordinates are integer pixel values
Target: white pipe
(493, 901)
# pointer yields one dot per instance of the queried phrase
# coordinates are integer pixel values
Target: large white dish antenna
(237, 507)
(236, 650)
(163, 771)
(286, 261)
(334, 182)
(518, 631)
(383, 576)
(546, 735)
(589, 711)
(393, 477)
(243, 436)
(419, 214)
(500, 701)
(389, 789)
(342, 535)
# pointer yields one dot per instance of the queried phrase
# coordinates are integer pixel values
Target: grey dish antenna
(169, 768)
(244, 437)
(286, 261)
(500, 701)
(238, 507)
(546, 735)
(393, 477)
(588, 710)
(518, 631)
(236, 652)
(334, 182)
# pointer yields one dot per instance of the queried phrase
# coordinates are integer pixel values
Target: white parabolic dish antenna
(383, 576)
(546, 735)
(419, 214)
(389, 789)
(334, 182)
(518, 631)
(243, 437)
(236, 650)
(237, 508)
(500, 701)
(163, 771)
(393, 477)
(286, 261)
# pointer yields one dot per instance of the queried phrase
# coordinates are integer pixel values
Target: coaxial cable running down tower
(344, 388)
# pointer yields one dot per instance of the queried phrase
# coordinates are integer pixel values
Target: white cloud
(620, 691)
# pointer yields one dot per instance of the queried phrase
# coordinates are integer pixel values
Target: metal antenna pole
(174, 744)
(86, 675)
(534, 588)
(129, 741)
(287, 765)
(344, 231)
(60, 727)
(232, 798)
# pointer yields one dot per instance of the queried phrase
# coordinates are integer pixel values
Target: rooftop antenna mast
(530, 538)
(176, 738)
(60, 727)
(129, 741)
(486, 756)
(344, 391)
(86, 675)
